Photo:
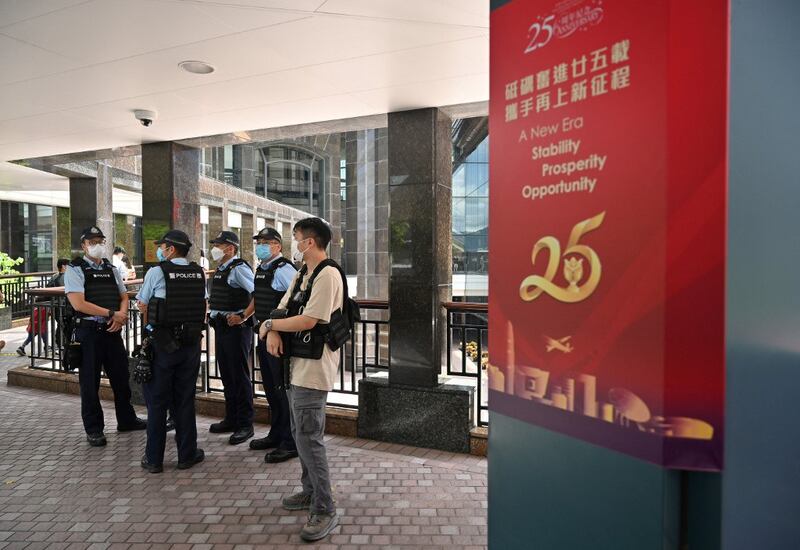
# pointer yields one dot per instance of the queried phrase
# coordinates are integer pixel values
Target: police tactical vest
(223, 296)
(267, 298)
(185, 301)
(100, 285)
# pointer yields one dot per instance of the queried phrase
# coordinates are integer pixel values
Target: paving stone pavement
(57, 492)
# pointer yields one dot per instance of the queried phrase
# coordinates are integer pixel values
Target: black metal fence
(468, 349)
(366, 354)
(14, 287)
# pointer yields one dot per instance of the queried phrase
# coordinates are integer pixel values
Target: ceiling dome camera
(145, 117)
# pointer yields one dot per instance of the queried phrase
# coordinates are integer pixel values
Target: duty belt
(89, 323)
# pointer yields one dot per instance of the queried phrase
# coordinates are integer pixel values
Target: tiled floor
(57, 492)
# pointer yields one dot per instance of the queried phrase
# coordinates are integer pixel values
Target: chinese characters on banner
(571, 82)
(607, 211)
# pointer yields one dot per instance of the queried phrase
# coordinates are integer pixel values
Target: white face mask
(96, 250)
(297, 254)
(217, 254)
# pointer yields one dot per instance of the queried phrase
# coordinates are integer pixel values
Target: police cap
(269, 234)
(92, 232)
(226, 237)
(175, 237)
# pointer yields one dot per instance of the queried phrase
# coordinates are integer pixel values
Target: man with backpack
(312, 319)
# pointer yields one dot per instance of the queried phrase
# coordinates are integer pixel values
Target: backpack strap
(322, 265)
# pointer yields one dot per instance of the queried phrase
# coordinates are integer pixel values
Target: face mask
(217, 254)
(297, 254)
(96, 250)
(160, 255)
(263, 251)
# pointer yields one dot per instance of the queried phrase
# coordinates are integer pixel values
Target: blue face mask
(160, 255)
(263, 251)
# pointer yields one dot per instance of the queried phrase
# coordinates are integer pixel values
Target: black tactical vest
(223, 296)
(100, 285)
(267, 298)
(185, 301)
(307, 344)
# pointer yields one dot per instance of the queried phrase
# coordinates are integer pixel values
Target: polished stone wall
(91, 204)
(247, 250)
(170, 193)
(62, 237)
(420, 175)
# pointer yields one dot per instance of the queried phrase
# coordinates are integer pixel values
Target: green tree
(7, 264)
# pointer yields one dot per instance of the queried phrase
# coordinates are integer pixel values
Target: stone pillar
(420, 234)
(378, 281)
(170, 194)
(333, 198)
(247, 249)
(350, 214)
(215, 225)
(90, 204)
(420, 410)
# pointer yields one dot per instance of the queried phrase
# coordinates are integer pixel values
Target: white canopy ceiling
(72, 71)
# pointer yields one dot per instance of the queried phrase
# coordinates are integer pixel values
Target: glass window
(471, 217)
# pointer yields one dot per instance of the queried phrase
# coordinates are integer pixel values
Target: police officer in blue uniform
(231, 306)
(173, 300)
(273, 276)
(98, 296)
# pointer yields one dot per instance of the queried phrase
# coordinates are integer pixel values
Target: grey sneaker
(298, 501)
(319, 526)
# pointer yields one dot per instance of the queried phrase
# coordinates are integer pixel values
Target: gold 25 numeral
(534, 285)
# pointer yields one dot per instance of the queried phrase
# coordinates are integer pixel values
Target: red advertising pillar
(608, 150)
(607, 283)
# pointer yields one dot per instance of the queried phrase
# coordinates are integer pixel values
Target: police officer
(273, 277)
(95, 291)
(231, 306)
(173, 300)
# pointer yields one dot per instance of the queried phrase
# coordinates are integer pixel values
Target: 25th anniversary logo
(573, 257)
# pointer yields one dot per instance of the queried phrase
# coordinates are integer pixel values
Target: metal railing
(14, 287)
(51, 304)
(366, 354)
(468, 349)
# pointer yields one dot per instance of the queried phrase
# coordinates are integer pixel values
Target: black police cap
(92, 232)
(173, 237)
(268, 233)
(226, 237)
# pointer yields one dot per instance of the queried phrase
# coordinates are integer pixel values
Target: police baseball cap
(226, 237)
(268, 233)
(173, 237)
(92, 232)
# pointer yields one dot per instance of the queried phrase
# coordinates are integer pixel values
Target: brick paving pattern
(57, 492)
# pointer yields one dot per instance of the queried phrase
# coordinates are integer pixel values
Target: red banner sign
(607, 212)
